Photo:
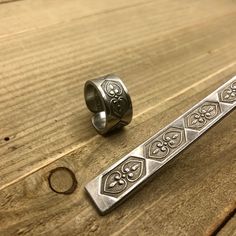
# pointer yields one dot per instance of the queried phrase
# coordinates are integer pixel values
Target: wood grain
(170, 55)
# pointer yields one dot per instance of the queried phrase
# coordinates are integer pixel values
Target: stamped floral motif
(202, 115)
(123, 176)
(119, 106)
(229, 93)
(117, 99)
(164, 144)
(113, 89)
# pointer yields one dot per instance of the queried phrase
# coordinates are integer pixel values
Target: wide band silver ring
(109, 100)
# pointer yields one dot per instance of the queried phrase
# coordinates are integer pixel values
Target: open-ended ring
(108, 99)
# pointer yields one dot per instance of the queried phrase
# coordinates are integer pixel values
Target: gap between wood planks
(71, 148)
(175, 67)
(140, 114)
(224, 222)
(8, 1)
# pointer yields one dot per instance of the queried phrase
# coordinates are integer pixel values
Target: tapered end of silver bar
(102, 202)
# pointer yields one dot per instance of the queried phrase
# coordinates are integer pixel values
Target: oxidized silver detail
(112, 88)
(228, 95)
(116, 97)
(123, 176)
(202, 115)
(163, 145)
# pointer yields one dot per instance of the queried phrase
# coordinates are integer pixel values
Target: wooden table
(170, 54)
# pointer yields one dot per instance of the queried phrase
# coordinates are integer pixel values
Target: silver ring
(109, 100)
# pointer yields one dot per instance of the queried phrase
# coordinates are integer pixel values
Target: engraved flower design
(119, 106)
(231, 92)
(127, 174)
(123, 176)
(117, 179)
(202, 115)
(118, 102)
(162, 146)
(113, 89)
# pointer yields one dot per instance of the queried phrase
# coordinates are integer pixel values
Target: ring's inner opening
(99, 120)
(95, 104)
(93, 99)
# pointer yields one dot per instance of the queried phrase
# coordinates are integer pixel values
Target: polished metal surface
(109, 100)
(126, 175)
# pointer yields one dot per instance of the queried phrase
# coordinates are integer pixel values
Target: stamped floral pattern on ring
(123, 176)
(117, 97)
(162, 146)
(228, 95)
(202, 115)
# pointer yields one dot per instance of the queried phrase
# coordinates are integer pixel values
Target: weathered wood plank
(170, 54)
(184, 199)
(45, 70)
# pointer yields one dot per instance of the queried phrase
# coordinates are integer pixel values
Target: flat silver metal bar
(117, 182)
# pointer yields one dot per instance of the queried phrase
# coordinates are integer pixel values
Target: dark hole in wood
(6, 139)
